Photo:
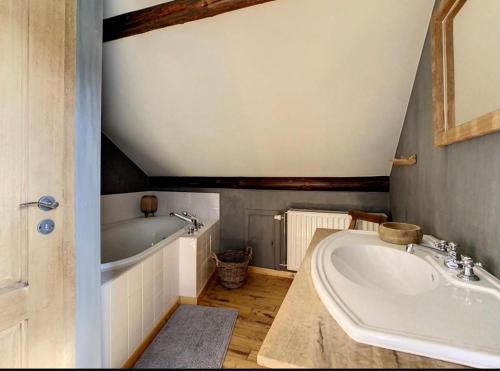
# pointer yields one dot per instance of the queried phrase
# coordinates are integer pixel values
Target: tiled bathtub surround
(125, 206)
(202, 205)
(137, 299)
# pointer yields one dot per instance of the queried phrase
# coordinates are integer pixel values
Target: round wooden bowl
(400, 233)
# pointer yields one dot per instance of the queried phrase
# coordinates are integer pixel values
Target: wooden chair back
(361, 215)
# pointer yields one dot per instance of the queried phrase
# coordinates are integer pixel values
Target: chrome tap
(194, 218)
(193, 221)
(454, 260)
(467, 273)
(438, 245)
(454, 257)
(181, 217)
(410, 248)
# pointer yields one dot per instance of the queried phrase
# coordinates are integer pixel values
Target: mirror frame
(443, 88)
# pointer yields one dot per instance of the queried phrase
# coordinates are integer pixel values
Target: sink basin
(379, 268)
(383, 296)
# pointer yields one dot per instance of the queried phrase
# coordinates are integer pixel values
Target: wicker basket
(232, 266)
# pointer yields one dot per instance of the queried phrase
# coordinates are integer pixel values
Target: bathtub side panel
(118, 321)
(106, 325)
(148, 295)
(135, 285)
(159, 300)
(171, 275)
(187, 267)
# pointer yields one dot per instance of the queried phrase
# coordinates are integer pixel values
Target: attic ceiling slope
(284, 89)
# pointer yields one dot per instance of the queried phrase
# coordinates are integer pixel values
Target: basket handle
(249, 251)
(213, 255)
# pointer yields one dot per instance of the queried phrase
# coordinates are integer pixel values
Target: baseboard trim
(188, 300)
(149, 339)
(271, 272)
(195, 300)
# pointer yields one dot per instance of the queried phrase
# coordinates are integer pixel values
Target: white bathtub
(148, 266)
(127, 242)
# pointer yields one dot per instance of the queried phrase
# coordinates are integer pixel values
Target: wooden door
(262, 234)
(37, 78)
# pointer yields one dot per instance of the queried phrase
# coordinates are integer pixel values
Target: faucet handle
(467, 262)
(453, 260)
(442, 245)
(468, 269)
(452, 246)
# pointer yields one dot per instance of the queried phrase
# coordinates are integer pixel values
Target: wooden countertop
(304, 334)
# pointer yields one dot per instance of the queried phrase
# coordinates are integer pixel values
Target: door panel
(13, 126)
(37, 74)
(14, 147)
(13, 345)
(264, 238)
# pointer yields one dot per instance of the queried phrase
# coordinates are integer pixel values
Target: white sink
(383, 296)
(379, 268)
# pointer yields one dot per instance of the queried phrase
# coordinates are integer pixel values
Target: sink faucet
(442, 247)
(438, 245)
(454, 259)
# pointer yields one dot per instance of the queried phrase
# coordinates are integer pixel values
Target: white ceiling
(286, 88)
(115, 7)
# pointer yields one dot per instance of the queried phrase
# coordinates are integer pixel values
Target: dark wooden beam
(169, 14)
(357, 184)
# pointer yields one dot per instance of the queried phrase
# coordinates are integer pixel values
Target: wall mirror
(466, 70)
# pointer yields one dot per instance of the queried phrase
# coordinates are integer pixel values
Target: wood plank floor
(258, 303)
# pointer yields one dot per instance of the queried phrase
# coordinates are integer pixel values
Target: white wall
(124, 206)
(285, 88)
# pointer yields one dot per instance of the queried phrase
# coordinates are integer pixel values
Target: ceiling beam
(168, 14)
(349, 184)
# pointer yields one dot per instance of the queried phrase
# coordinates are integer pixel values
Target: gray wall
(118, 173)
(247, 215)
(453, 192)
(87, 179)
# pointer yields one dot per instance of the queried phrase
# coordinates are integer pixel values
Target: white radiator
(301, 225)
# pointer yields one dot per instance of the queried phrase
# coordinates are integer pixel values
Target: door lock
(46, 226)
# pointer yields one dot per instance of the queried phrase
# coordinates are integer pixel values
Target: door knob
(45, 203)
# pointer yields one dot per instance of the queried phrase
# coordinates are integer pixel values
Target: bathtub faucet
(194, 222)
(192, 217)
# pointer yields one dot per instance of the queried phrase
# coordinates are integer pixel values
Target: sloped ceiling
(286, 88)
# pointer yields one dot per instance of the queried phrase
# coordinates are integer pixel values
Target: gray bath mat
(194, 337)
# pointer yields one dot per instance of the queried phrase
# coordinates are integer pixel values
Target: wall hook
(405, 161)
